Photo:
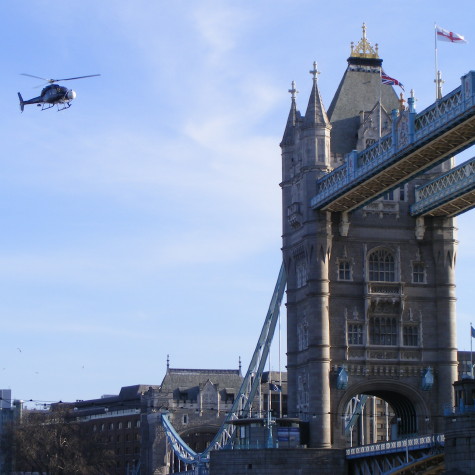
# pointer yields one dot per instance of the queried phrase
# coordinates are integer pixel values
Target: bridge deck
(417, 143)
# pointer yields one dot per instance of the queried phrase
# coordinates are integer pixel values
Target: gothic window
(344, 269)
(302, 335)
(381, 266)
(410, 335)
(321, 150)
(302, 395)
(301, 273)
(355, 334)
(383, 331)
(418, 273)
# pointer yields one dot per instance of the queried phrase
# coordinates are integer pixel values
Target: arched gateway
(371, 293)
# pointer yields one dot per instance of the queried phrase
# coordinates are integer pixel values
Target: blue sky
(145, 220)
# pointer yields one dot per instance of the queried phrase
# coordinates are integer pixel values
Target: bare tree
(53, 442)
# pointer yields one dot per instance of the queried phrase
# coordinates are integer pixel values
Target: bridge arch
(411, 412)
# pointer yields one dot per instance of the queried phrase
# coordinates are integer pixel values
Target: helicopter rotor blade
(70, 79)
(38, 77)
(51, 81)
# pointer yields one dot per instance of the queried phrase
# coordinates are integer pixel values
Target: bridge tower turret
(306, 157)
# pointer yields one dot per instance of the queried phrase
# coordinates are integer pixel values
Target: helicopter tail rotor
(22, 103)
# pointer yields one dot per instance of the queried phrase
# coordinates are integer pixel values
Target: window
(398, 194)
(321, 150)
(302, 335)
(137, 423)
(301, 271)
(383, 331)
(410, 335)
(344, 270)
(120, 425)
(185, 419)
(418, 273)
(129, 424)
(355, 334)
(381, 266)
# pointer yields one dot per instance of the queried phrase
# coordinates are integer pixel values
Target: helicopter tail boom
(22, 103)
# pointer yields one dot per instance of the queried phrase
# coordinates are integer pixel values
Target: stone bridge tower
(370, 294)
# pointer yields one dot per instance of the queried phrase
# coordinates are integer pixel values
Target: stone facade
(197, 401)
(278, 462)
(371, 291)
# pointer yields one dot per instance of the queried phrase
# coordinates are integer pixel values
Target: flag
(450, 36)
(473, 331)
(385, 79)
(274, 387)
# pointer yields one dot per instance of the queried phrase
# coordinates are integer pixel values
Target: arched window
(381, 266)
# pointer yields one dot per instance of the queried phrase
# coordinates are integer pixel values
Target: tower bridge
(369, 247)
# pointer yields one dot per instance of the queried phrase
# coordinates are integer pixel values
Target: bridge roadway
(392, 456)
(416, 143)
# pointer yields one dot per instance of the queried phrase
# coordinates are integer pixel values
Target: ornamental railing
(415, 443)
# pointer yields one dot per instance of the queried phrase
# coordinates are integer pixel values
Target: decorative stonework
(382, 354)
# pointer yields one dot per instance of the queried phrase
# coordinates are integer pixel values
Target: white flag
(446, 35)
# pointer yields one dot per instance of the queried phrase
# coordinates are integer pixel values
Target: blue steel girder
(448, 195)
(416, 143)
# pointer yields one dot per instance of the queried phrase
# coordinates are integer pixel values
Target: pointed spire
(315, 114)
(288, 137)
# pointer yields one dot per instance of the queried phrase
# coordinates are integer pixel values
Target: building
(10, 411)
(197, 401)
(117, 420)
(371, 293)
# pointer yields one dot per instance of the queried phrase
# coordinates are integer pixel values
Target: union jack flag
(385, 79)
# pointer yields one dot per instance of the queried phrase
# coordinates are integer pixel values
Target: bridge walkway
(417, 142)
(397, 456)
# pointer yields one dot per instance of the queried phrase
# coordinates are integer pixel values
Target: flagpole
(437, 95)
(380, 95)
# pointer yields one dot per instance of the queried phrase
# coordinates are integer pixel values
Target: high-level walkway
(417, 142)
(448, 195)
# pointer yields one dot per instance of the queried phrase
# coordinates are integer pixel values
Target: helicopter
(52, 94)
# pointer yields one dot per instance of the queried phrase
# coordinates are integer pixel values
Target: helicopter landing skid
(65, 105)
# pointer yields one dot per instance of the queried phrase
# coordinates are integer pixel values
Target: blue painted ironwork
(243, 402)
(414, 443)
(386, 458)
(410, 132)
(457, 182)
